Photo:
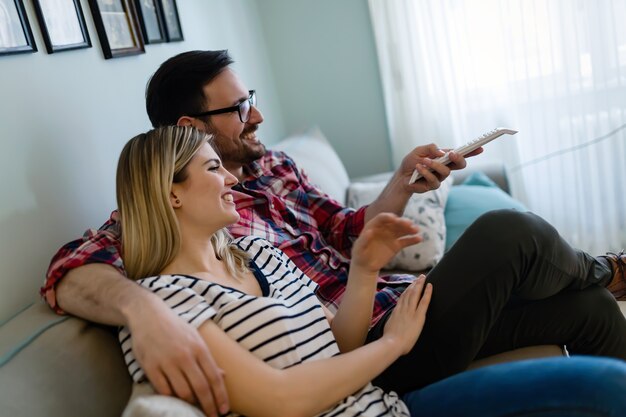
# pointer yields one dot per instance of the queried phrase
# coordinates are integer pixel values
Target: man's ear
(186, 121)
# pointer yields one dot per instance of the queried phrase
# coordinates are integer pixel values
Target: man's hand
(381, 238)
(422, 159)
(171, 352)
(176, 360)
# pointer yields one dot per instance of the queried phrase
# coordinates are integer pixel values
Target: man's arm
(99, 293)
(171, 352)
(396, 194)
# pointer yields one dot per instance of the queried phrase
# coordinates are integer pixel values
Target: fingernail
(224, 409)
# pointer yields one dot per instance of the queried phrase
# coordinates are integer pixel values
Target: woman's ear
(174, 200)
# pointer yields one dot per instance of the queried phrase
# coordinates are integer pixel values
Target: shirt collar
(254, 170)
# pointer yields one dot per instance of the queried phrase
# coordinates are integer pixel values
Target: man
(510, 281)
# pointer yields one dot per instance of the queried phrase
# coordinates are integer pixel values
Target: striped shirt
(284, 327)
(277, 202)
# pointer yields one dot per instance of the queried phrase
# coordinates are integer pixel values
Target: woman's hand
(407, 319)
(381, 238)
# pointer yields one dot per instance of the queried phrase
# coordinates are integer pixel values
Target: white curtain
(553, 69)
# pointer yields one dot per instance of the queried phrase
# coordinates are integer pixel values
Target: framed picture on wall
(62, 25)
(118, 27)
(173, 28)
(15, 34)
(151, 21)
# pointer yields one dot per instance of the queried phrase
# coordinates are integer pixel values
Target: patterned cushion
(427, 212)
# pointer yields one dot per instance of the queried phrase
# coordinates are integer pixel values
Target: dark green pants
(510, 281)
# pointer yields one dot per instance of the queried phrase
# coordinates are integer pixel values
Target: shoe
(617, 286)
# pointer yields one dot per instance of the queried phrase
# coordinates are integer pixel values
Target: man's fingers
(431, 173)
(457, 161)
(179, 384)
(215, 376)
(202, 391)
(159, 381)
(431, 150)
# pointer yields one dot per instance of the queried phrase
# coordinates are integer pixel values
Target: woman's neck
(196, 254)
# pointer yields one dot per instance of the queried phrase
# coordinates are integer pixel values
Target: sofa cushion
(475, 196)
(58, 366)
(425, 210)
(316, 157)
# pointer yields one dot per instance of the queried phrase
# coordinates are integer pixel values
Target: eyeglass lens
(245, 106)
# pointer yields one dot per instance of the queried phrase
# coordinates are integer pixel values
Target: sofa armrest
(57, 366)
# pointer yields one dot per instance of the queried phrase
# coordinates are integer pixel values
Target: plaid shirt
(277, 202)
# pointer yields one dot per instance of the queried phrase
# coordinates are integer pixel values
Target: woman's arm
(381, 238)
(257, 389)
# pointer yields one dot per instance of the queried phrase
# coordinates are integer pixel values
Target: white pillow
(145, 402)
(427, 212)
(316, 157)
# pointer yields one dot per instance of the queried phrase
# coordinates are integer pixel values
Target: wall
(65, 117)
(324, 61)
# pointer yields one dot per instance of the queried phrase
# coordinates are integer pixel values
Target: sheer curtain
(553, 69)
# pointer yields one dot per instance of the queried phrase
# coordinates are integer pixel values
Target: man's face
(236, 141)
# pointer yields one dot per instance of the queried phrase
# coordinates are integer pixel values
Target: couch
(57, 366)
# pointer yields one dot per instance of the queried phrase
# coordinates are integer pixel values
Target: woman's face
(204, 199)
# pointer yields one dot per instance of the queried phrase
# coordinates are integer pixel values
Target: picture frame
(62, 25)
(151, 21)
(16, 36)
(118, 27)
(173, 28)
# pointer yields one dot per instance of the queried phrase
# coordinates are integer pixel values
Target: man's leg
(588, 322)
(505, 257)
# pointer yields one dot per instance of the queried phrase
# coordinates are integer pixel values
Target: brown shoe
(617, 286)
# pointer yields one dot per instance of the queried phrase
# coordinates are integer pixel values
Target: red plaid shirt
(277, 202)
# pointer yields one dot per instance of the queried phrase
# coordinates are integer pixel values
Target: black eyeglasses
(243, 108)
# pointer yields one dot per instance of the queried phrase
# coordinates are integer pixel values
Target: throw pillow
(425, 210)
(316, 157)
(145, 402)
(477, 195)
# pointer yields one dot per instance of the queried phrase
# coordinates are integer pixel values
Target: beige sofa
(57, 366)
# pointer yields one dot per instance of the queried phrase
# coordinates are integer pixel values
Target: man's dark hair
(176, 88)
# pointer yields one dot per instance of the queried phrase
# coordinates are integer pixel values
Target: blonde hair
(148, 166)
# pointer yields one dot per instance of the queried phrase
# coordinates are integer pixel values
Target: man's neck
(235, 169)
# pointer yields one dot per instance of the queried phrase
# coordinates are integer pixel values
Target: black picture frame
(173, 28)
(16, 37)
(151, 21)
(62, 25)
(118, 27)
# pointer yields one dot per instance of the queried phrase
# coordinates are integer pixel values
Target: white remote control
(469, 147)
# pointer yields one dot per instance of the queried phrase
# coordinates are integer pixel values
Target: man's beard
(240, 151)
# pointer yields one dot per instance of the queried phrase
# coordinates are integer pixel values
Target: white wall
(65, 117)
(324, 60)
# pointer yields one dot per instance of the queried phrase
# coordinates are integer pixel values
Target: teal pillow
(477, 195)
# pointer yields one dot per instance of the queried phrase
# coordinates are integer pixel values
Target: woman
(278, 346)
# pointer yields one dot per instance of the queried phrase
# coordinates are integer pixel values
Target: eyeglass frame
(251, 99)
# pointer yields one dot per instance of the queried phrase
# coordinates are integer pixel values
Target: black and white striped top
(284, 327)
